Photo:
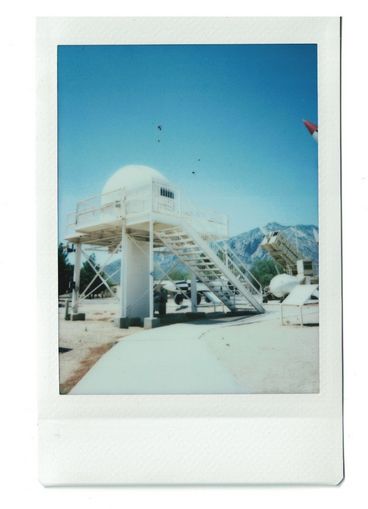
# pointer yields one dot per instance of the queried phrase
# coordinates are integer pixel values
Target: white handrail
(115, 204)
(226, 270)
(240, 265)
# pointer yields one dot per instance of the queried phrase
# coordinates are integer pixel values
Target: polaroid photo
(190, 309)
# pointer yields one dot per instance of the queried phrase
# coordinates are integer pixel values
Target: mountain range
(247, 246)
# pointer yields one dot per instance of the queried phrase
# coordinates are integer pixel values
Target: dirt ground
(261, 355)
(86, 341)
(235, 355)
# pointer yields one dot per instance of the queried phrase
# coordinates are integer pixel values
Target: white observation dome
(132, 177)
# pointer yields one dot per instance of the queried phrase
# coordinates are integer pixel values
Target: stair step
(193, 253)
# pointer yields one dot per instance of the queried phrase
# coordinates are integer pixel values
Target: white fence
(159, 198)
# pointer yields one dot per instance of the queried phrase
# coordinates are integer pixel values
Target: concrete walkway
(249, 356)
(167, 360)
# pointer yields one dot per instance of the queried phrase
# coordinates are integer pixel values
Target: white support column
(123, 273)
(151, 269)
(193, 292)
(76, 278)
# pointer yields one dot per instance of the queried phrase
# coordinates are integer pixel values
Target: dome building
(139, 211)
(133, 177)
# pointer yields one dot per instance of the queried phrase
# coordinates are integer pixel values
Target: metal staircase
(218, 268)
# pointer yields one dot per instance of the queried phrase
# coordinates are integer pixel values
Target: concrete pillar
(134, 279)
(193, 292)
(151, 323)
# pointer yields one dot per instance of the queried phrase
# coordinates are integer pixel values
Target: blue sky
(237, 108)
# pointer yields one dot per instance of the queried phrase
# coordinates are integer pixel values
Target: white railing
(99, 209)
(210, 224)
(216, 238)
(236, 281)
(231, 259)
(158, 198)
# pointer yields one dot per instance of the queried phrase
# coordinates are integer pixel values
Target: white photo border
(192, 439)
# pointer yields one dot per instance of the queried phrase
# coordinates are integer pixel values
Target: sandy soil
(258, 353)
(268, 358)
(87, 340)
(252, 355)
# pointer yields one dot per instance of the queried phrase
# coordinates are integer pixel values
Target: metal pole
(76, 277)
(66, 309)
(193, 291)
(97, 272)
(123, 271)
(151, 270)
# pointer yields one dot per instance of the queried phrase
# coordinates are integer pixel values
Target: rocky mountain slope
(247, 246)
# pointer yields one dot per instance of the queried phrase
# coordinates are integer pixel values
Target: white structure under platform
(140, 211)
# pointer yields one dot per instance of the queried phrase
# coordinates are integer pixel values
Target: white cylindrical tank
(282, 284)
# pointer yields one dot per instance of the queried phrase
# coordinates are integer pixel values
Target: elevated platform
(147, 212)
(99, 220)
